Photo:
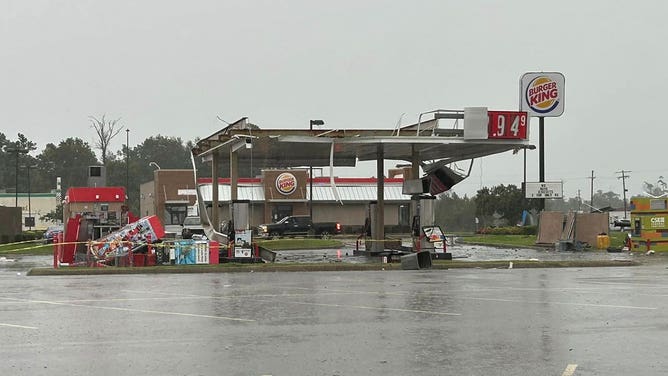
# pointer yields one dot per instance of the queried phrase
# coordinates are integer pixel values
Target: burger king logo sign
(542, 94)
(286, 183)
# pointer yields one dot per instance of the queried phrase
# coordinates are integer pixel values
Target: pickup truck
(192, 225)
(621, 223)
(298, 225)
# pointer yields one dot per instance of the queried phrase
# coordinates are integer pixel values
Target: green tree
(69, 160)
(454, 213)
(24, 143)
(5, 157)
(11, 163)
(611, 199)
(565, 205)
(165, 152)
(506, 201)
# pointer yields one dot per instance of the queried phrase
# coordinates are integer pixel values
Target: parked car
(622, 223)
(51, 232)
(192, 225)
(299, 225)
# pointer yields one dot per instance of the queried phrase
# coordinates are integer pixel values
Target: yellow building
(649, 223)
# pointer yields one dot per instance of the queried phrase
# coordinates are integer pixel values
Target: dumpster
(417, 260)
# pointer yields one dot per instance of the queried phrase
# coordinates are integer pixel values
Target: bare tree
(106, 130)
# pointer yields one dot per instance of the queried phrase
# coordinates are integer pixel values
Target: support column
(215, 217)
(415, 163)
(379, 241)
(234, 175)
(415, 200)
(234, 179)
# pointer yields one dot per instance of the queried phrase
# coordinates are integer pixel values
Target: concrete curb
(250, 268)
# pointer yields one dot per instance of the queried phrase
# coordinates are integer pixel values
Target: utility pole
(591, 193)
(623, 177)
(127, 167)
(16, 150)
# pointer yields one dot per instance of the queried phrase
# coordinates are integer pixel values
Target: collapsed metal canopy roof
(242, 144)
(274, 148)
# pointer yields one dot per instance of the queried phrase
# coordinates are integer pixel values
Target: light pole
(310, 168)
(31, 221)
(127, 165)
(16, 150)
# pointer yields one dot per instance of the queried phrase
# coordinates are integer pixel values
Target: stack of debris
(571, 231)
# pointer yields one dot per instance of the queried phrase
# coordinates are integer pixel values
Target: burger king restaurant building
(280, 193)
(277, 193)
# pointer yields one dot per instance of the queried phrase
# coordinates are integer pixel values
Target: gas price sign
(507, 125)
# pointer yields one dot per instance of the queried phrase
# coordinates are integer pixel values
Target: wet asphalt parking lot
(572, 321)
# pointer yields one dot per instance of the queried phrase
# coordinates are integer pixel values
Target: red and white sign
(507, 125)
(286, 183)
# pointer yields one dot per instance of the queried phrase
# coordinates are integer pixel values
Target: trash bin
(138, 259)
(602, 241)
(417, 260)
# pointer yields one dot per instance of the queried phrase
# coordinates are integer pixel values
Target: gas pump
(240, 229)
(369, 230)
(425, 234)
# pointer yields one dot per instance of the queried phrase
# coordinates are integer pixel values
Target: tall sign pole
(541, 147)
(541, 96)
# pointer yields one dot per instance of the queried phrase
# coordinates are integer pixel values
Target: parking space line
(329, 292)
(630, 284)
(132, 310)
(160, 293)
(359, 307)
(570, 370)
(74, 301)
(193, 297)
(18, 326)
(556, 303)
(320, 291)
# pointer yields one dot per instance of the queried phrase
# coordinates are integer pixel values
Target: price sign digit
(500, 126)
(515, 126)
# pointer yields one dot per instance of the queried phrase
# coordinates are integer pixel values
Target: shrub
(27, 235)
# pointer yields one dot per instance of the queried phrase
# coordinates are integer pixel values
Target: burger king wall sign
(542, 94)
(286, 183)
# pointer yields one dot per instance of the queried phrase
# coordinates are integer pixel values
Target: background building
(35, 204)
(168, 196)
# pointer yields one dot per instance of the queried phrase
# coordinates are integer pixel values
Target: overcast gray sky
(169, 68)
